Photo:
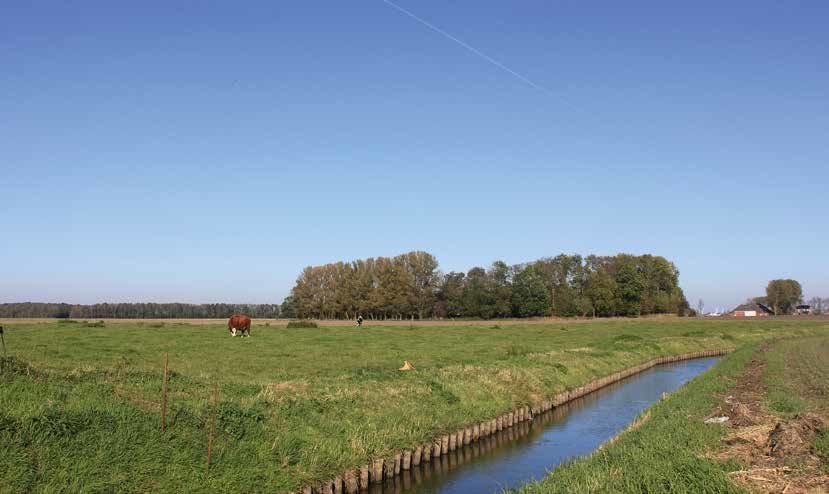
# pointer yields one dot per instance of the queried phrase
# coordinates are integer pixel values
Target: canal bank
(391, 473)
(674, 450)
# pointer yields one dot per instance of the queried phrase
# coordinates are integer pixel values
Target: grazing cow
(239, 323)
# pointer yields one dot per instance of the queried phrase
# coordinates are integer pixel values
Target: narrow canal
(529, 450)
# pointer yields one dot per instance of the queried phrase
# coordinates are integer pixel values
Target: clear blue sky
(166, 151)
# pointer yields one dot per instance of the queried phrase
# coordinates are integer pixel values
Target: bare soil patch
(778, 454)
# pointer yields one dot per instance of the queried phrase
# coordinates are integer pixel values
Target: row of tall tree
(137, 310)
(411, 286)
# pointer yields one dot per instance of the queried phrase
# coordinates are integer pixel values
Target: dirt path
(777, 454)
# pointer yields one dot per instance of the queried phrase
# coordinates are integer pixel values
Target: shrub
(302, 323)
(623, 338)
(86, 324)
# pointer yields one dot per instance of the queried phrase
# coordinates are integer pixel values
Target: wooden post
(2, 339)
(212, 427)
(164, 396)
(426, 453)
(352, 482)
(364, 476)
(377, 471)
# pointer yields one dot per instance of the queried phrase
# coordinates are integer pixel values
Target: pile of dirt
(793, 439)
(743, 405)
(777, 453)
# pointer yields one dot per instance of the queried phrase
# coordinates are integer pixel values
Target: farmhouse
(751, 309)
(803, 310)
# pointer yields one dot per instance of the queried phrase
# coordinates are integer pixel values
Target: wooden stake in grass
(2, 339)
(211, 430)
(164, 396)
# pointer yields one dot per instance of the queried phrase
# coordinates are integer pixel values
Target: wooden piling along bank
(358, 479)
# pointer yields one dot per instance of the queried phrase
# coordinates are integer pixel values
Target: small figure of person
(359, 321)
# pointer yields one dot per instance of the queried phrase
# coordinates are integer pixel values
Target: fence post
(164, 396)
(3, 365)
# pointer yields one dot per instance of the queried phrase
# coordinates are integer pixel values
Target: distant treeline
(137, 310)
(410, 286)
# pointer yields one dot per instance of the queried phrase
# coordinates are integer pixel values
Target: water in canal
(527, 451)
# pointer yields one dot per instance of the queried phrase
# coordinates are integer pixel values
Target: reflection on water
(528, 450)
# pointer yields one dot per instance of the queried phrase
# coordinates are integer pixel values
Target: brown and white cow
(240, 323)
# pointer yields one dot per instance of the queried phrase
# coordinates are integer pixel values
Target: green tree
(501, 284)
(600, 290)
(530, 296)
(423, 277)
(783, 295)
(450, 295)
(478, 294)
(630, 286)
(287, 310)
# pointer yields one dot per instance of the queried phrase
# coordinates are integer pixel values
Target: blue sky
(172, 151)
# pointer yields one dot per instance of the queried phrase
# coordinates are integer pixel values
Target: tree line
(411, 286)
(137, 310)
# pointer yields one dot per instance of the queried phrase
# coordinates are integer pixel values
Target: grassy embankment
(79, 406)
(672, 451)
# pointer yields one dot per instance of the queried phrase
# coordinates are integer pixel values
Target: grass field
(797, 376)
(80, 405)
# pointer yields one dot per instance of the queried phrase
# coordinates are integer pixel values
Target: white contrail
(468, 47)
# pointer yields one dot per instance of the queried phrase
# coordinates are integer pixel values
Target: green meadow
(80, 404)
